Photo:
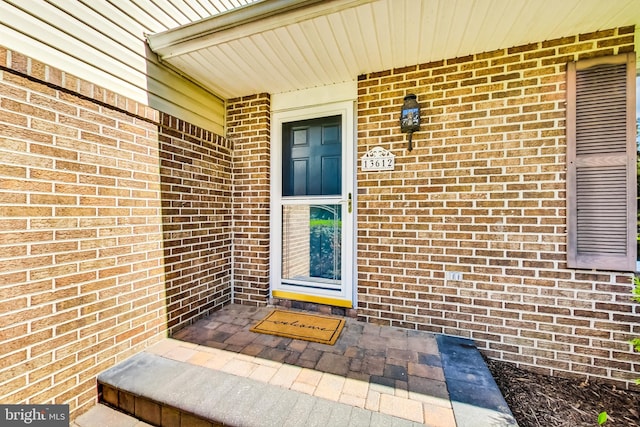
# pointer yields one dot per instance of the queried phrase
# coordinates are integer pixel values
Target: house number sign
(377, 159)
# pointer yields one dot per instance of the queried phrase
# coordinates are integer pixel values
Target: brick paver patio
(217, 372)
(389, 370)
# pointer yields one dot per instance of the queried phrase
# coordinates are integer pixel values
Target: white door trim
(346, 109)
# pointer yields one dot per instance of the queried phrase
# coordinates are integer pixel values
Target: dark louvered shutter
(601, 156)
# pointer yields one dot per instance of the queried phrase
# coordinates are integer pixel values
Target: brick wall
(249, 128)
(296, 241)
(86, 207)
(101, 200)
(195, 168)
(483, 193)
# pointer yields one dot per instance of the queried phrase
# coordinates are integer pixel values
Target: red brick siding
(81, 274)
(103, 202)
(483, 193)
(195, 168)
(249, 128)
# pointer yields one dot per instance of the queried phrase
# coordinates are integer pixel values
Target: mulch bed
(542, 401)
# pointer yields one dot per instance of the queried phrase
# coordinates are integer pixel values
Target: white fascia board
(242, 22)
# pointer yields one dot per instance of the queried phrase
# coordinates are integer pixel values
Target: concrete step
(170, 393)
(475, 396)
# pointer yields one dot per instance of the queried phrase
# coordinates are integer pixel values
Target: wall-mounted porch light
(410, 117)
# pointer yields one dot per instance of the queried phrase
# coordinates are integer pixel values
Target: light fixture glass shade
(410, 116)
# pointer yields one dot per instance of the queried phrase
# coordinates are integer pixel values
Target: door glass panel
(311, 245)
(312, 157)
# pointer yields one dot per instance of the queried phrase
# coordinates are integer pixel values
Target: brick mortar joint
(93, 99)
(10, 64)
(378, 78)
(204, 136)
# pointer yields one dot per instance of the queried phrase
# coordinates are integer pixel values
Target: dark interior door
(312, 157)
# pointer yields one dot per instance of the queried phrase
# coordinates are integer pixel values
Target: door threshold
(294, 296)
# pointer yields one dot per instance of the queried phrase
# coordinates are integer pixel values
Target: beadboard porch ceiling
(278, 46)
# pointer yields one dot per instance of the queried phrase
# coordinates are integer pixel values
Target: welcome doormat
(302, 326)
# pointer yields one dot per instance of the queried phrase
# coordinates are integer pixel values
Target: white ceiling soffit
(278, 46)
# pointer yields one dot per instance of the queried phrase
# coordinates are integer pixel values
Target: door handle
(349, 203)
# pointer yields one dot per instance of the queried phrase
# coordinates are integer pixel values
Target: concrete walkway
(104, 416)
(219, 373)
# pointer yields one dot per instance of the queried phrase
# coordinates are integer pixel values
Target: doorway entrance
(312, 209)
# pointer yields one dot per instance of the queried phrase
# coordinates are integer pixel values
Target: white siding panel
(294, 70)
(230, 58)
(103, 42)
(182, 16)
(149, 22)
(279, 58)
(331, 42)
(347, 46)
(198, 61)
(381, 18)
(17, 42)
(428, 38)
(509, 20)
(476, 23)
(247, 49)
(298, 61)
(58, 31)
(369, 36)
(168, 85)
(197, 8)
(353, 33)
(445, 25)
(106, 27)
(112, 15)
(461, 15)
(208, 6)
(336, 53)
(296, 36)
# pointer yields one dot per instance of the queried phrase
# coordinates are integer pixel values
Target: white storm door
(312, 209)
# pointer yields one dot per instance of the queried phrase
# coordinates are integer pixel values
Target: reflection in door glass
(311, 241)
